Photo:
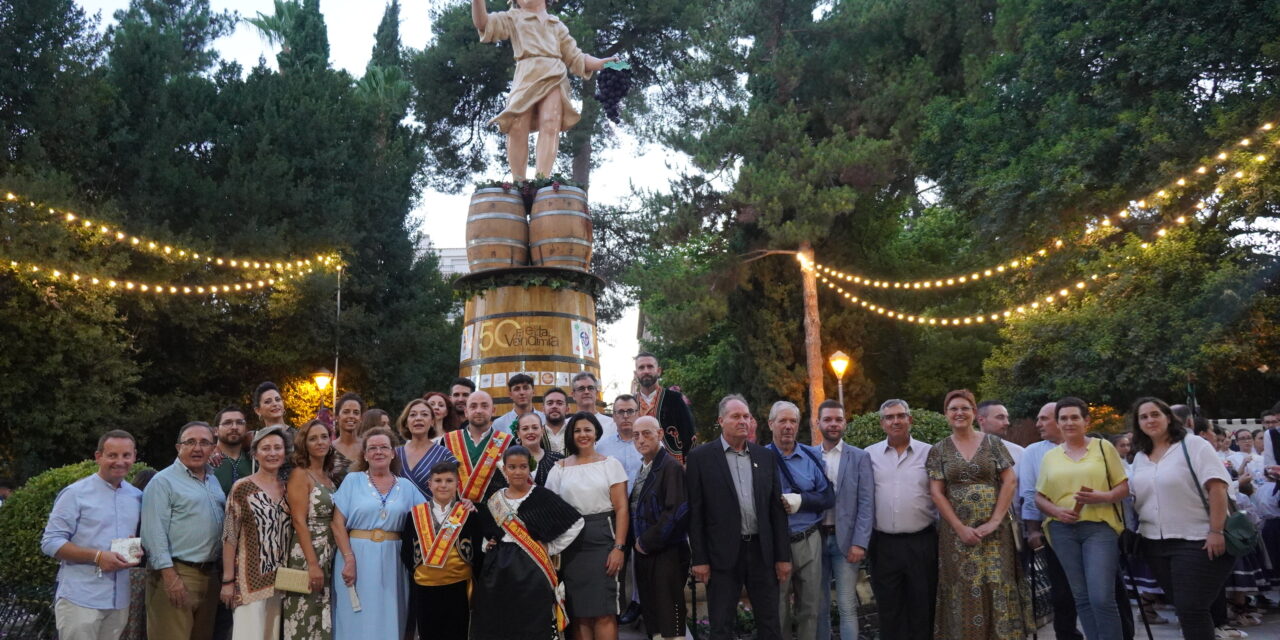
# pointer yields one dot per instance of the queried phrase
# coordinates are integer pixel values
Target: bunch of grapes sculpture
(612, 86)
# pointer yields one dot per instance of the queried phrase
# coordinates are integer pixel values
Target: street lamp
(839, 364)
(322, 378)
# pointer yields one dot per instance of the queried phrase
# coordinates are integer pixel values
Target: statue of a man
(539, 100)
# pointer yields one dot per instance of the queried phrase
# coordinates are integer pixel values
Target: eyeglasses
(377, 448)
(625, 412)
(586, 388)
(196, 444)
(232, 423)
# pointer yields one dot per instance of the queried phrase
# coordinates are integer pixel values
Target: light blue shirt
(1028, 472)
(623, 451)
(507, 421)
(91, 513)
(182, 517)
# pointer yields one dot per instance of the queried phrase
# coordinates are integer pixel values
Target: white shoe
(1229, 632)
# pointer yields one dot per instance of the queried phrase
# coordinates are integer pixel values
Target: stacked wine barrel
(553, 231)
(516, 321)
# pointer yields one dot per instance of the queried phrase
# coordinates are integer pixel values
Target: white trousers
(257, 620)
(75, 622)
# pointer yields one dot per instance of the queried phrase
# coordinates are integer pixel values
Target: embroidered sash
(475, 476)
(538, 553)
(436, 544)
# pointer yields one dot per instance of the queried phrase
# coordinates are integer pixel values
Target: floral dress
(982, 592)
(307, 615)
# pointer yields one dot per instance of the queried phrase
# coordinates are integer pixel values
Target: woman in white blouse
(1180, 537)
(595, 485)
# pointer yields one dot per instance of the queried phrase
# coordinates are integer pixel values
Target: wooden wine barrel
(560, 229)
(548, 333)
(497, 230)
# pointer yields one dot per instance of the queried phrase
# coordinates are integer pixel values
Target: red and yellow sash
(538, 553)
(475, 476)
(436, 545)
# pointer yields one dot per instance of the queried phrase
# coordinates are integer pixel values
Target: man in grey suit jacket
(846, 529)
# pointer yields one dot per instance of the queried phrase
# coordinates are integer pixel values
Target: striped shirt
(420, 474)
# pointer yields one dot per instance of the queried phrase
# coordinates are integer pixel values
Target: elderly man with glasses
(182, 511)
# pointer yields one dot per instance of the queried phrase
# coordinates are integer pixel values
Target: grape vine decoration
(611, 87)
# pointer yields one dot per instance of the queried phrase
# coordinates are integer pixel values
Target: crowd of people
(452, 523)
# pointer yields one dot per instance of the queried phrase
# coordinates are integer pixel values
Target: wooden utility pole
(812, 338)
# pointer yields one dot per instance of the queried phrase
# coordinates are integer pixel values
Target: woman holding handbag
(310, 490)
(1080, 483)
(1180, 536)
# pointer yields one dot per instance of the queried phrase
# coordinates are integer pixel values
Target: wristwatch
(620, 547)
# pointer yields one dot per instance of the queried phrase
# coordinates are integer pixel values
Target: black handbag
(1241, 536)
(1129, 539)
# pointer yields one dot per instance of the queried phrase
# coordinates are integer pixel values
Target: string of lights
(109, 233)
(959, 321)
(1243, 150)
(74, 278)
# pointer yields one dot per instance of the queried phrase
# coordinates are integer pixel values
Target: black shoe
(630, 615)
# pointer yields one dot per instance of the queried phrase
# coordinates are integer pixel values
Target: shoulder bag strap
(1195, 478)
(1106, 468)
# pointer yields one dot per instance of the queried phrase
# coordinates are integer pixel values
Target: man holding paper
(806, 496)
(92, 531)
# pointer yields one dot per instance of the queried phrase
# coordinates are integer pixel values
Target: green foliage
(926, 426)
(23, 518)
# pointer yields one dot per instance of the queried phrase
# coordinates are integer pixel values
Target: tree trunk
(812, 339)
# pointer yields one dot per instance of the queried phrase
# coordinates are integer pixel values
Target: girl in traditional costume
(518, 596)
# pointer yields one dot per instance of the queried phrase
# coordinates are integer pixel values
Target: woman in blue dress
(369, 513)
(418, 427)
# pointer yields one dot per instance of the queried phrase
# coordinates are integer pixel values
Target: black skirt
(589, 592)
(512, 599)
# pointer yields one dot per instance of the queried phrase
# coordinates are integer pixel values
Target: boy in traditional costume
(518, 595)
(539, 100)
(440, 546)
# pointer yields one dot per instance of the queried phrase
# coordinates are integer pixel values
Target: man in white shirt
(1270, 438)
(993, 418)
(904, 542)
(520, 388)
(555, 405)
(585, 387)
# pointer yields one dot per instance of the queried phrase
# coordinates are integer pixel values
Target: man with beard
(459, 390)
(667, 405)
(230, 425)
(555, 405)
(478, 448)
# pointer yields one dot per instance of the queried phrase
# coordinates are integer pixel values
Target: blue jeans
(846, 577)
(1090, 555)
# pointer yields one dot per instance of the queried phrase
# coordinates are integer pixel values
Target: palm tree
(279, 29)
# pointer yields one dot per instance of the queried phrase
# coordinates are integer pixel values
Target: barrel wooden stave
(497, 230)
(560, 229)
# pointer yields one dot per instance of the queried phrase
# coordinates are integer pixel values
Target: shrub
(927, 426)
(22, 521)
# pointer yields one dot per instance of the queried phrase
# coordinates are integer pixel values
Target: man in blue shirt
(621, 445)
(183, 508)
(93, 581)
(806, 495)
(520, 388)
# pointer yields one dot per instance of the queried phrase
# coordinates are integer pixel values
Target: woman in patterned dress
(255, 537)
(982, 594)
(419, 453)
(310, 493)
(347, 424)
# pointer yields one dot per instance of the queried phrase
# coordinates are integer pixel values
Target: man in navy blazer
(846, 529)
(737, 526)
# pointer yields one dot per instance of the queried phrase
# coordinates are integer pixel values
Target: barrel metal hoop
(561, 212)
(533, 314)
(495, 190)
(550, 260)
(502, 261)
(511, 200)
(529, 358)
(548, 196)
(479, 242)
(513, 217)
(577, 241)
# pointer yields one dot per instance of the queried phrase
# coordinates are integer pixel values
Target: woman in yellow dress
(539, 100)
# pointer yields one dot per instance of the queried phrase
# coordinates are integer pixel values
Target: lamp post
(839, 364)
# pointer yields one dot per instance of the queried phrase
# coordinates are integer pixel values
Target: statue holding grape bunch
(539, 100)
